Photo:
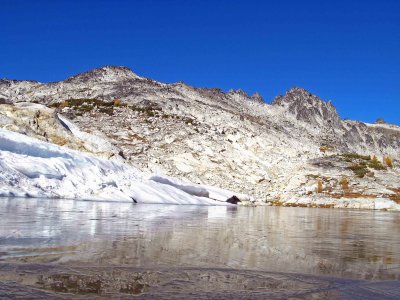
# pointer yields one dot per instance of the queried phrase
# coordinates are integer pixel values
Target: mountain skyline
(127, 72)
(346, 52)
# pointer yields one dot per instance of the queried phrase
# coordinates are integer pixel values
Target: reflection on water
(342, 243)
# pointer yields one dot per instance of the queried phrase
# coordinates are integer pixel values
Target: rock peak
(308, 107)
(237, 92)
(298, 93)
(297, 89)
(380, 121)
(106, 73)
(242, 95)
(256, 97)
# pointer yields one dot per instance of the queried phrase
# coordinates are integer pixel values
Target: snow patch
(33, 168)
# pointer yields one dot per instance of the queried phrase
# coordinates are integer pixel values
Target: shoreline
(366, 204)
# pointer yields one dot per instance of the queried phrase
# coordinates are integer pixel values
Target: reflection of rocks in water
(59, 282)
(278, 239)
(101, 283)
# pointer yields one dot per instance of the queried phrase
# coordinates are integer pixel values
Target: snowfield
(33, 168)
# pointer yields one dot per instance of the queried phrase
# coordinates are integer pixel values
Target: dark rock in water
(233, 200)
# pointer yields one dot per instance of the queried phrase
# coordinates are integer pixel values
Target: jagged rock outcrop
(309, 108)
(257, 98)
(380, 121)
(231, 139)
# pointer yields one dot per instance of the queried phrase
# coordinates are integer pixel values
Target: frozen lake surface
(65, 248)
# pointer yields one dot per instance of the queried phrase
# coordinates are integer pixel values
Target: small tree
(344, 182)
(117, 102)
(388, 161)
(319, 186)
(65, 103)
(324, 148)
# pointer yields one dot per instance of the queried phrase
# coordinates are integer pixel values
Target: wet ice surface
(109, 249)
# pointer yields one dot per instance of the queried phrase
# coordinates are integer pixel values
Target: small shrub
(344, 182)
(323, 149)
(117, 102)
(376, 164)
(363, 163)
(360, 170)
(150, 113)
(388, 161)
(106, 110)
(353, 156)
(320, 188)
(65, 103)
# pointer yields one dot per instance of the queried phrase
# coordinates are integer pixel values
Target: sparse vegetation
(149, 111)
(376, 164)
(350, 157)
(87, 102)
(325, 148)
(361, 163)
(80, 106)
(360, 169)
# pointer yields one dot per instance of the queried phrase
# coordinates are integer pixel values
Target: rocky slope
(285, 153)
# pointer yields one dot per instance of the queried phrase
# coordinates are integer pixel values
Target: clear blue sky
(344, 51)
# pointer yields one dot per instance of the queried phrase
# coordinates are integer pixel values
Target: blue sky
(344, 51)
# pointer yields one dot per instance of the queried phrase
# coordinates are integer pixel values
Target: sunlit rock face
(308, 108)
(226, 139)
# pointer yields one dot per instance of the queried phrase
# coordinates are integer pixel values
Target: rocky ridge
(277, 152)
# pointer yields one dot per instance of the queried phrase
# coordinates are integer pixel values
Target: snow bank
(33, 168)
(198, 189)
(195, 190)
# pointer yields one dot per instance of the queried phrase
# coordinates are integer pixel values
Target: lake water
(67, 247)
